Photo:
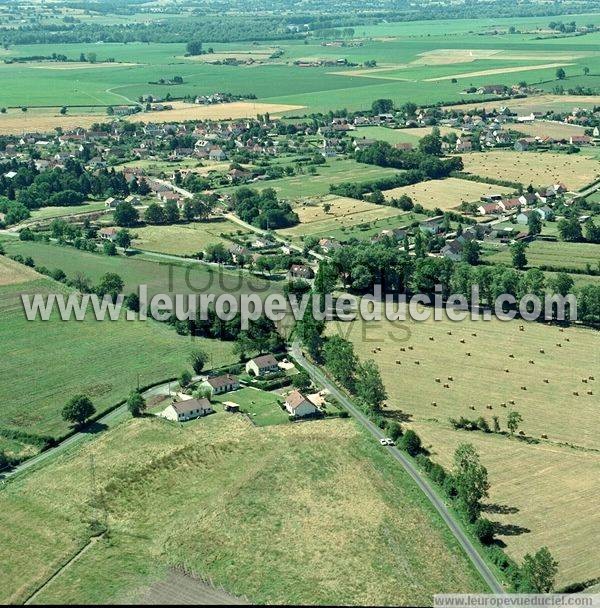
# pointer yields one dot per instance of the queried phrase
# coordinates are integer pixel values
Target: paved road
(105, 421)
(483, 569)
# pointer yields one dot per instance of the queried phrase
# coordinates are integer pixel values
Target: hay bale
(590, 392)
(402, 349)
(584, 380)
(523, 388)
(542, 351)
(474, 334)
(591, 378)
(446, 386)
(511, 401)
(468, 354)
(511, 356)
(431, 338)
(374, 351)
(417, 363)
(503, 405)
(521, 327)
(437, 380)
(398, 362)
(576, 393)
(434, 404)
(522, 433)
(559, 345)
(411, 348)
(544, 436)
(532, 361)
(451, 378)
(546, 381)
(506, 370)
(472, 407)
(462, 341)
(449, 333)
(567, 339)
(561, 329)
(489, 407)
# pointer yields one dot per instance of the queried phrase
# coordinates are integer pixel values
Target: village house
(299, 406)
(221, 384)
(509, 204)
(107, 234)
(489, 209)
(328, 245)
(259, 366)
(188, 410)
(301, 271)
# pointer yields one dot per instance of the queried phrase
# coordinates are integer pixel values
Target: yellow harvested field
(545, 128)
(12, 273)
(537, 168)
(344, 213)
(507, 70)
(15, 122)
(190, 111)
(538, 483)
(536, 486)
(535, 103)
(75, 65)
(446, 193)
(451, 56)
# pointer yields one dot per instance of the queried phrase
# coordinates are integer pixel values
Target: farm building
(264, 364)
(187, 410)
(298, 405)
(222, 384)
(108, 234)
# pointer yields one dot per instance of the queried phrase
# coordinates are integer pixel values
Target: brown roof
(224, 380)
(265, 361)
(295, 399)
(186, 407)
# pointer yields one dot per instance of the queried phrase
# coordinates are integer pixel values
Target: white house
(187, 410)
(264, 364)
(298, 405)
(222, 384)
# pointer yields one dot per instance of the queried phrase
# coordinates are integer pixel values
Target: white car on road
(386, 441)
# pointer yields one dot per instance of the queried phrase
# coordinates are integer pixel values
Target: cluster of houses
(496, 204)
(296, 404)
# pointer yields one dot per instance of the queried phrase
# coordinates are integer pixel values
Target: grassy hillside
(312, 513)
(44, 363)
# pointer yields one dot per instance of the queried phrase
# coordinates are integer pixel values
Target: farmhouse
(264, 364)
(301, 271)
(107, 234)
(509, 204)
(298, 405)
(111, 202)
(188, 410)
(488, 209)
(221, 384)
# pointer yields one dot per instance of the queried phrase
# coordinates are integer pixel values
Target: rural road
(106, 420)
(316, 374)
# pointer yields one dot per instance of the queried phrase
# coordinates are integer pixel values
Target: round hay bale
(449, 333)
(544, 436)
(590, 392)
(511, 401)
(437, 380)
(446, 386)
(431, 338)
(417, 363)
(472, 407)
(523, 388)
(542, 351)
(463, 341)
(468, 354)
(434, 404)
(511, 356)
(398, 362)
(576, 393)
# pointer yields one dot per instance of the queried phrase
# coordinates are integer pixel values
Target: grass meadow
(259, 502)
(560, 401)
(45, 363)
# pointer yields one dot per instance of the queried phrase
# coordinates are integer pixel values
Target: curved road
(316, 374)
(107, 419)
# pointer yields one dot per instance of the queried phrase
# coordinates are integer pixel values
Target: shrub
(484, 530)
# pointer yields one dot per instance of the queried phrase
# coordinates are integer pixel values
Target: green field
(161, 275)
(262, 407)
(187, 239)
(558, 254)
(45, 363)
(408, 56)
(335, 171)
(260, 503)
(46, 213)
